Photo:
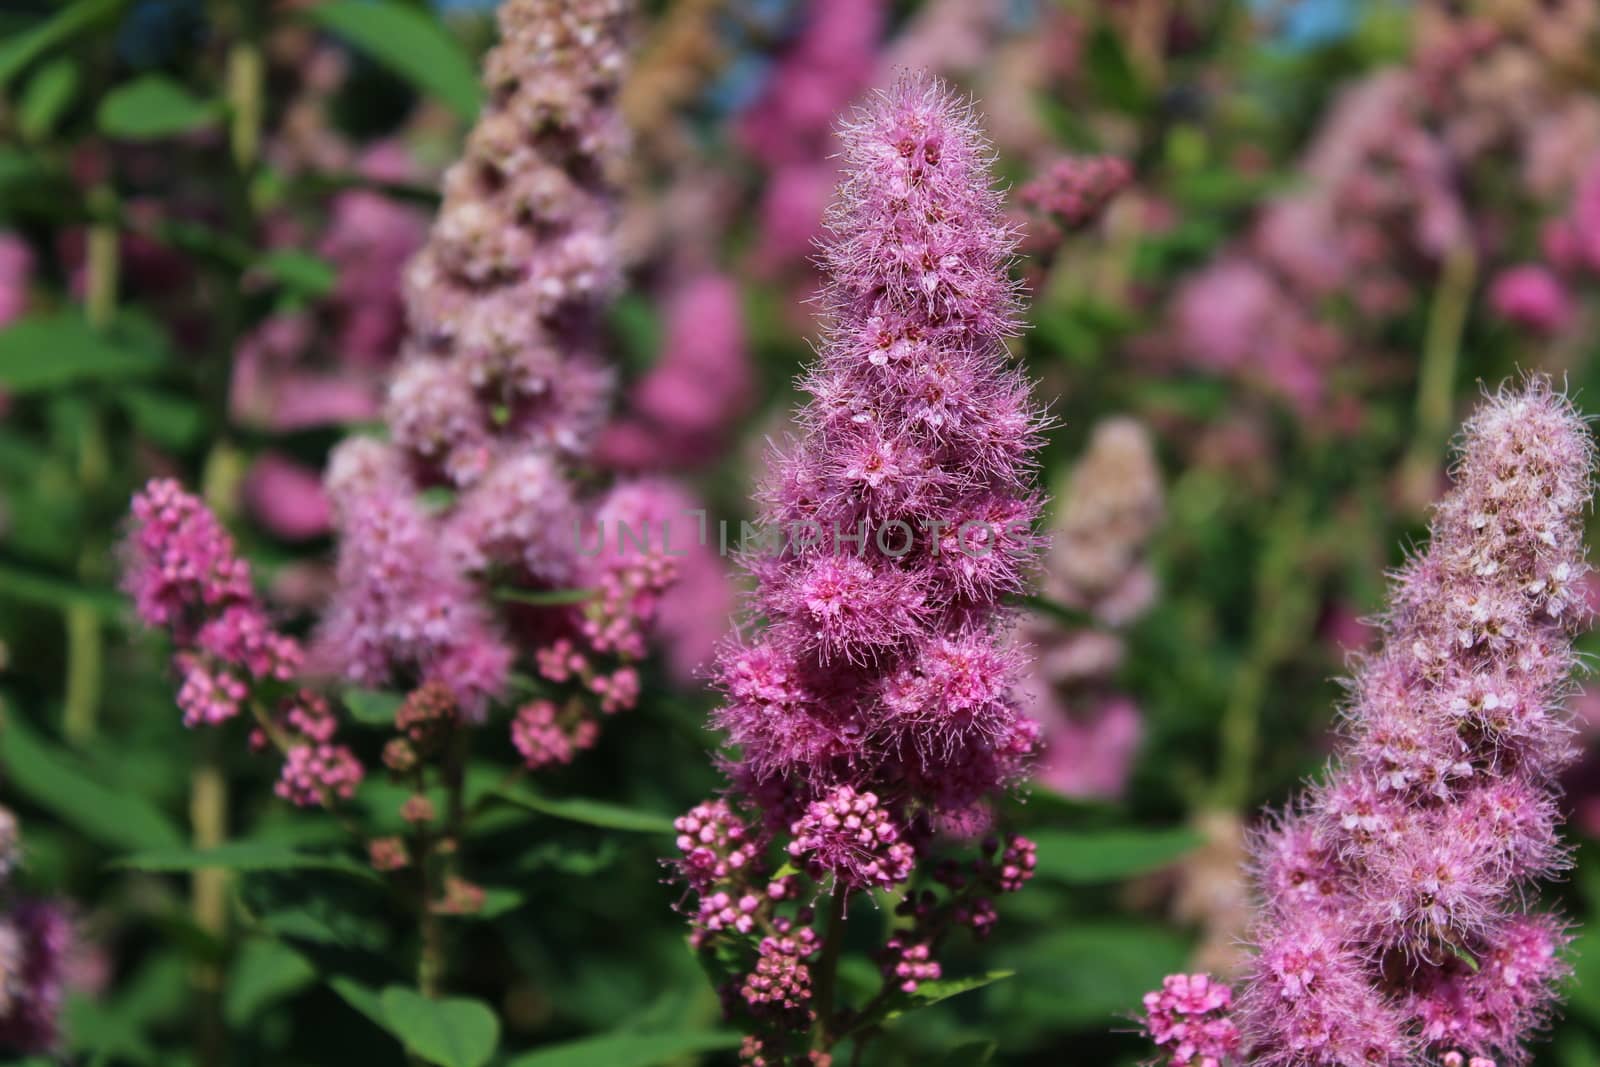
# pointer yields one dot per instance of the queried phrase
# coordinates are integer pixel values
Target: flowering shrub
(593, 532)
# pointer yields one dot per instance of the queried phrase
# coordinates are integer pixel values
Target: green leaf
(99, 1033)
(969, 1054)
(42, 352)
(265, 971)
(153, 107)
(241, 856)
(47, 97)
(1086, 857)
(1087, 976)
(1112, 74)
(167, 418)
(452, 1032)
(1067, 616)
(545, 597)
(930, 993)
(927, 995)
(373, 707)
(1583, 988)
(32, 587)
(56, 781)
(24, 48)
(629, 1050)
(564, 859)
(309, 275)
(497, 902)
(362, 998)
(590, 812)
(412, 44)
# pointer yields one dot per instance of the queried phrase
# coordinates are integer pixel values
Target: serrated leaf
(409, 42)
(57, 782)
(589, 812)
(930, 993)
(47, 97)
(452, 1031)
(927, 994)
(1087, 857)
(265, 971)
(154, 107)
(629, 1050)
(241, 856)
(52, 351)
(373, 707)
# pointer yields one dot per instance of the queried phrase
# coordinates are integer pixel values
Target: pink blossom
(16, 274)
(286, 497)
(701, 383)
(1188, 1019)
(1419, 855)
(1531, 296)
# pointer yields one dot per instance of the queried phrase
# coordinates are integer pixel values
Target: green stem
(1284, 610)
(1436, 380)
(85, 641)
(828, 970)
(208, 817)
(245, 77)
(85, 673)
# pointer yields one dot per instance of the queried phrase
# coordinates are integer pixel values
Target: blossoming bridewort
(870, 712)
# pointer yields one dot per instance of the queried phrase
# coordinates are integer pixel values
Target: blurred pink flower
(791, 213)
(1585, 221)
(1089, 755)
(696, 611)
(273, 387)
(701, 383)
(1530, 295)
(369, 238)
(287, 497)
(790, 125)
(1234, 317)
(16, 270)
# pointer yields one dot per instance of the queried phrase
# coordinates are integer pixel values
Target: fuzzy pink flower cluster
(500, 388)
(873, 709)
(36, 939)
(1395, 921)
(185, 576)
